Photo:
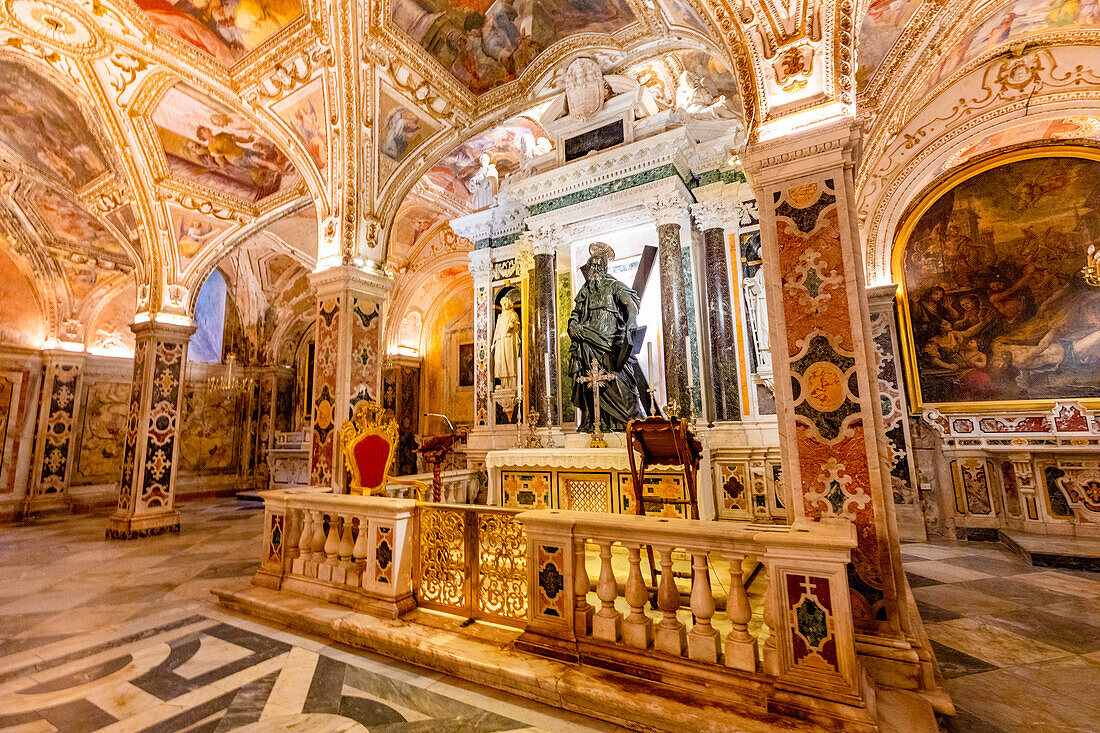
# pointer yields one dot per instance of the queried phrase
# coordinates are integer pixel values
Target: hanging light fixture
(231, 381)
(1091, 270)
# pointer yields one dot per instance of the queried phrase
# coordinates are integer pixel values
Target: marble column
(669, 211)
(150, 454)
(832, 437)
(347, 359)
(895, 413)
(713, 217)
(542, 362)
(59, 407)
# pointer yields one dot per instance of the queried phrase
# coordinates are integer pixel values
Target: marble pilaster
(895, 412)
(712, 217)
(57, 417)
(146, 490)
(832, 437)
(347, 359)
(542, 362)
(669, 211)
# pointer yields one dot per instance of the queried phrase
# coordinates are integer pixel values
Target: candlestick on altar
(596, 377)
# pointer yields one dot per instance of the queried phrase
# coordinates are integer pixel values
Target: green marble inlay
(693, 335)
(603, 189)
(727, 176)
(483, 243)
(506, 240)
(565, 308)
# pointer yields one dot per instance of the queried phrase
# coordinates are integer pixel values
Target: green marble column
(668, 212)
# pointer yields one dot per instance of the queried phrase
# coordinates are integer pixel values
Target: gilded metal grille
(587, 495)
(443, 561)
(502, 567)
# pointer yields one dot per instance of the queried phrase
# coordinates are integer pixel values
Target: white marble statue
(584, 88)
(506, 345)
(483, 185)
(756, 306)
(697, 102)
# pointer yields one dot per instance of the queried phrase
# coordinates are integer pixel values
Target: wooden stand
(663, 442)
(435, 451)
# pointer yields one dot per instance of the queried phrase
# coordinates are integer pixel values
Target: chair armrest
(420, 487)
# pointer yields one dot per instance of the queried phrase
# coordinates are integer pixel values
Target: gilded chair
(369, 442)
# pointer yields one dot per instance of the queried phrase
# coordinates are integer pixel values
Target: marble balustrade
(387, 556)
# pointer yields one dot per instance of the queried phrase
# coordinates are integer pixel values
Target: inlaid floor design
(1019, 646)
(125, 636)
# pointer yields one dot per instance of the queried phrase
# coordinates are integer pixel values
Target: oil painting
(106, 410)
(207, 144)
(882, 26)
(1013, 21)
(44, 126)
(504, 144)
(998, 309)
(486, 43)
(225, 29)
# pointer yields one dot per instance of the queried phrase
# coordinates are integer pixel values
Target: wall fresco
(102, 433)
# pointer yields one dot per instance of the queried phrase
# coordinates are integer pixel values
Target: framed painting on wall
(994, 309)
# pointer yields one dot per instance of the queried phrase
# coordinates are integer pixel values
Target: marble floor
(1019, 646)
(125, 636)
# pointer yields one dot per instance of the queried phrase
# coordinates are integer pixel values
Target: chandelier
(1091, 270)
(231, 381)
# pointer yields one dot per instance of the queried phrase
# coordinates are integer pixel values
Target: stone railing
(460, 486)
(387, 556)
(472, 562)
(807, 661)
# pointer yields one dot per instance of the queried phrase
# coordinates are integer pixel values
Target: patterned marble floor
(1019, 646)
(125, 636)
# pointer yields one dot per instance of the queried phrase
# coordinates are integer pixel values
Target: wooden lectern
(435, 451)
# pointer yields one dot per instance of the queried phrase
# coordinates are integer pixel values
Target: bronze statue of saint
(602, 327)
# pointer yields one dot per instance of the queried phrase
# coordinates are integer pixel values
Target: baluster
(671, 636)
(293, 524)
(703, 640)
(740, 646)
(772, 619)
(582, 611)
(608, 623)
(305, 540)
(317, 543)
(637, 627)
(361, 549)
(346, 541)
(332, 541)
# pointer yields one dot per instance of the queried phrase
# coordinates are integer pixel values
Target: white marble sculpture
(483, 185)
(756, 306)
(584, 88)
(697, 102)
(506, 347)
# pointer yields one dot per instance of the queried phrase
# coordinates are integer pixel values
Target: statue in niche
(602, 328)
(506, 345)
(699, 103)
(756, 306)
(483, 184)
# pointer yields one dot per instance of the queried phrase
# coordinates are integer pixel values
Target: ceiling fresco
(881, 28)
(75, 230)
(306, 116)
(207, 144)
(21, 321)
(486, 43)
(1073, 127)
(42, 124)
(503, 143)
(225, 29)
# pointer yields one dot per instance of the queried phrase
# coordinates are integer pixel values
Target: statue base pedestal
(583, 441)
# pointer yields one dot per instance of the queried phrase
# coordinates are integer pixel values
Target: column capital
(480, 266)
(545, 239)
(827, 146)
(370, 281)
(668, 207)
(716, 213)
(881, 297)
(167, 331)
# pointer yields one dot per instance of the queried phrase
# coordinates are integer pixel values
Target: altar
(579, 478)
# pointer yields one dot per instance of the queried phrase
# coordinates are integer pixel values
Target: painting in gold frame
(994, 313)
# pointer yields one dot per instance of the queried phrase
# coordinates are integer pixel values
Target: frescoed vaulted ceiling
(142, 144)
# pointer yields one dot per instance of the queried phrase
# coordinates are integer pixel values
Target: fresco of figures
(1058, 128)
(486, 43)
(225, 29)
(997, 304)
(882, 26)
(207, 144)
(505, 145)
(75, 230)
(44, 126)
(1016, 20)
